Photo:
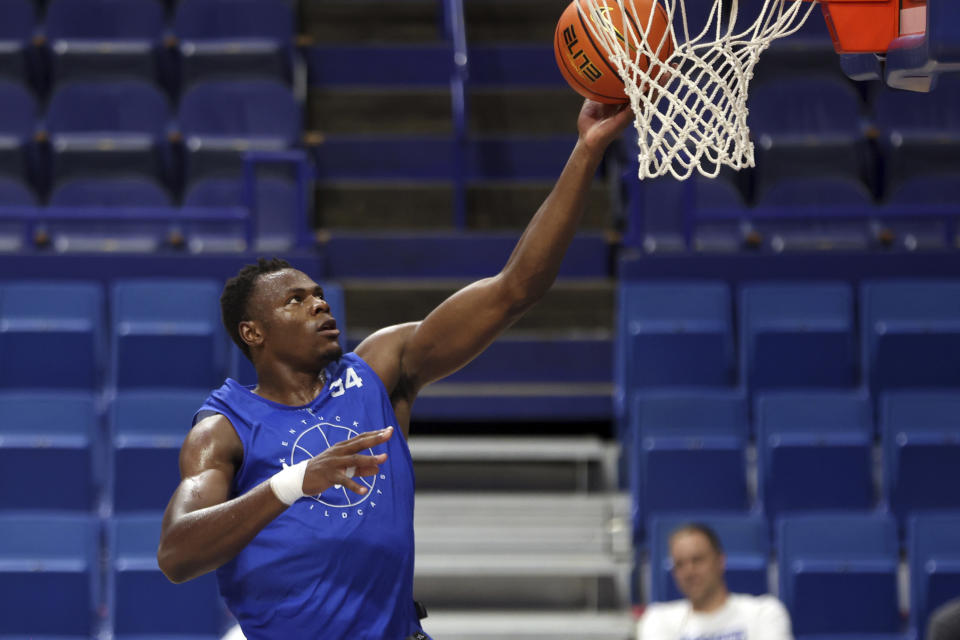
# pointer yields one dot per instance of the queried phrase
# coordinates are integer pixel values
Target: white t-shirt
(742, 617)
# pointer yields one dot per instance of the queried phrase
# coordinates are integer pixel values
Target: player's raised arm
(411, 356)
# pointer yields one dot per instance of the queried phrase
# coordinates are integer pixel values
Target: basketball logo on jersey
(315, 437)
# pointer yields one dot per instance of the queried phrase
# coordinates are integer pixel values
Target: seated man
(709, 611)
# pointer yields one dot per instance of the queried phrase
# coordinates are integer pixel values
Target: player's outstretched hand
(343, 461)
(600, 124)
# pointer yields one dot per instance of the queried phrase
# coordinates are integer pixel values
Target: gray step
(522, 580)
(570, 305)
(512, 20)
(527, 111)
(364, 110)
(381, 206)
(491, 205)
(530, 625)
(353, 21)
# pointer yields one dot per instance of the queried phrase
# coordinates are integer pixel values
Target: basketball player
(298, 492)
(709, 611)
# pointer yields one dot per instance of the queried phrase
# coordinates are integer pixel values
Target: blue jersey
(335, 565)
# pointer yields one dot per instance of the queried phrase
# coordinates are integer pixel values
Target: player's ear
(250, 333)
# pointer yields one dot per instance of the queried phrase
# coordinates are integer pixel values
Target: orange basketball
(582, 60)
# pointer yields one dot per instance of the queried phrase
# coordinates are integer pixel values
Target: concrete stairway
(521, 538)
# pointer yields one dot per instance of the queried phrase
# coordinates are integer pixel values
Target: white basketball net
(691, 109)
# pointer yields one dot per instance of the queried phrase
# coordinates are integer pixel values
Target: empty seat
(234, 37)
(746, 544)
(18, 121)
(51, 334)
(919, 133)
(920, 434)
(107, 128)
(663, 211)
(96, 38)
(808, 125)
(17, 22)
(241, 369)
(677, 333)
(130, 191)
(144, 604)
(911, 333)
(147, 429)
(933, 550)
(797, 335)
(221, 120)
(688, 452)
(814, 451)
(54, 431)
(48, 575)
(166, 333)
(838, 573)
(278, 209)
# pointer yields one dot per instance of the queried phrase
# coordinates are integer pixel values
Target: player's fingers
(366, 440)
(354, 486)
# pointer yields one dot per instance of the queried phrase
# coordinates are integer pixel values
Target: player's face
(697, 567)
(295, 320)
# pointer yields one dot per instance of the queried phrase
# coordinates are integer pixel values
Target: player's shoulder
(760, 604)
(662, 611)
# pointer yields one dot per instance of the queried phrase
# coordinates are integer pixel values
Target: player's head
(271, 305)
(698, 562)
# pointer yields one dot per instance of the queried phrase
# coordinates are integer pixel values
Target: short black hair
(699, 527)
(236, 294)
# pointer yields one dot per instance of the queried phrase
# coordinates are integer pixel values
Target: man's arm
(203, 529)
(408, 357)
(773, 621)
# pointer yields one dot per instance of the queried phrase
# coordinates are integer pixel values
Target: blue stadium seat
(98, 38)
(221, 120)
(48, 430)
(51, 335)
(18, 122)
(166, 333)
(797, 335)
(919, 133)
(676, 334)
(688, 452)
(234, 37)
(107, 128)
(276, 208)
(144, 605)
(933, 550)
(147, 428)
(814, 451)
(838, 573)
(17, 23)
(128, 191)
(49, 576)
(663, 211)
(746, 544)
(920, 435)
(241, 369)
(910, 332)
(808, 126)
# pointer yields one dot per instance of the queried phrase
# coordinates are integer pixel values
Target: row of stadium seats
(80, 38)
(887, 334)
(50, 569)
(126, 127)
(150, 333)
(837, 573)
(814, 451)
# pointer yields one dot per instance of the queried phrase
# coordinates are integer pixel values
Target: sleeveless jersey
(335, 565)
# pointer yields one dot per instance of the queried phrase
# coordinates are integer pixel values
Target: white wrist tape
(287, 484)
